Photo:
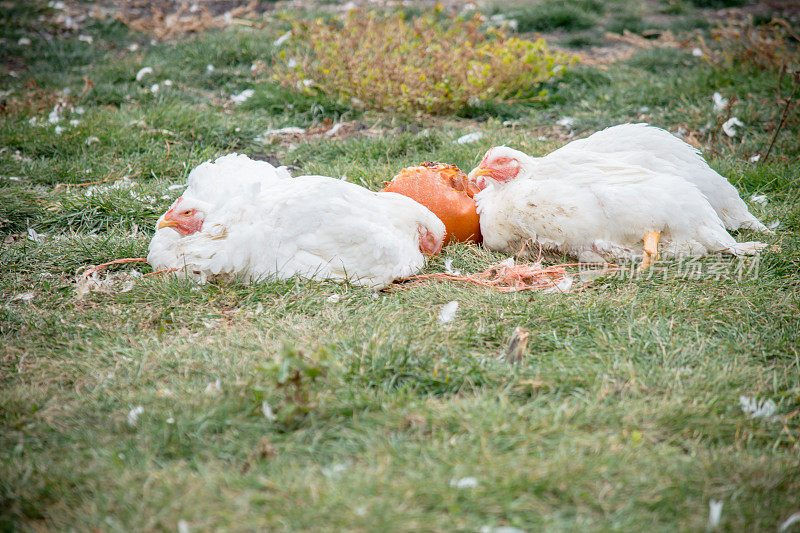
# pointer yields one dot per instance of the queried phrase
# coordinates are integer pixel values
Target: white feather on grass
(757, 408)
(133, 415)
(729, 126)
(464, 483)
(714, 513)
(720, 103)
(448, 312)
(469, 138)
(144, 71)
(242, 97)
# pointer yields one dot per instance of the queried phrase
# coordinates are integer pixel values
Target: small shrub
(628, 21)
(551, 16)
(388, 62)
(718, 3)
(583, 40)
(770, 46)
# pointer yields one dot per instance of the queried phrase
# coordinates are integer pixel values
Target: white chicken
(273, 226)
(606, 196)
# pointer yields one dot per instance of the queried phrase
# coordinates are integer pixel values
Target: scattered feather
(242, 97)
(291, 63)
(210, 68)
(86, 38)
(34, 236)
(91, 140)
(170, 420)
(167, 83)
(331, 132)
(334, 298)
(55, 115)
(331, 471)
(566, 121)
(176, 187)
(696, 52)
(448, 312)
(154, 88)
(563, 285)
(508, 262)
(282, 39)
(183, 526)
(759, 199)
(213, 388)
(755, 408)
(24, 41)
(786, 524)
(755, 159)
(58, 130)
(23, 297)
(714, 514)
(720, 102)
(133, 415)
(144, 71)
(448, 267)
(729, 127)
(266, 410)
(774, 224)
(112, 283)
(290, 130)
(464, 483)
(500, 529)
(469, 138)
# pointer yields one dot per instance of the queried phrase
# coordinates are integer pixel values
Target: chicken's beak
(167, 224)
(480, 171)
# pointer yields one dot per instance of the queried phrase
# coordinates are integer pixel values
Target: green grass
(624, 413)
(553, 15)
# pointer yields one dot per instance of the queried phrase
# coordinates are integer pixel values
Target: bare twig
(784, 116)
(106, 180)
(92, 269)
(722, 120)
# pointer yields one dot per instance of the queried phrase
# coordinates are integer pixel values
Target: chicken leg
(650, 249)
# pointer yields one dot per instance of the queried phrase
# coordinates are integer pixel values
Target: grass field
(158, 404)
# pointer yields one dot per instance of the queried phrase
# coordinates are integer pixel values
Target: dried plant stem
(720, 121)
(784, 116)
(92, 269)
(106, 180)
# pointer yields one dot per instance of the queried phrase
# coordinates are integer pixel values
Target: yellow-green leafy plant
(431, 64)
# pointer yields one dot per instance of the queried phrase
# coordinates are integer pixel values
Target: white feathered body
(603, 213)
(596, 198)
(642, 146)
(310, 226)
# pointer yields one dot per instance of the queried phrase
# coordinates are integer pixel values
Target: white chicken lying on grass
(244, 218)
(607, 196)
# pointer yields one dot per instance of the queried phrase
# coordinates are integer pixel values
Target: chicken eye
(187, 212)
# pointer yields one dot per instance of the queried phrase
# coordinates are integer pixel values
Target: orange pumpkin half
(447, 192)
